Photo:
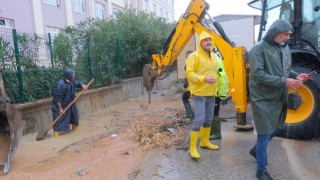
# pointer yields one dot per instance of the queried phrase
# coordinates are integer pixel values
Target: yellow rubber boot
(74, 127)
(56, 133)
(204, 139)
(193, 145)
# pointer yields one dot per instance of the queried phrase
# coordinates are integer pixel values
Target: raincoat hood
(202, 36)
(68, 74)
(279, 26)
(199, 65)
(270, 66)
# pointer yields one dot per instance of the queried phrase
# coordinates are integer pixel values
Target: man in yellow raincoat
(202, 75)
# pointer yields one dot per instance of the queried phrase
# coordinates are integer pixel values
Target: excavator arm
(180, 36)
(233, 57)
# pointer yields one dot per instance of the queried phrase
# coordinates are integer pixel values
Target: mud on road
(104, 146)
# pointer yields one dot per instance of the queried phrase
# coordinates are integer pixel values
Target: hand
(61, 111)
(293, 83)
(210, 80)
(84, 87)
(303, 77)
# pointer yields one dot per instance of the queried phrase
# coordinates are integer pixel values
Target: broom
(43, 134)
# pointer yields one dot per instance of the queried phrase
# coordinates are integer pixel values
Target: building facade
(50, 16)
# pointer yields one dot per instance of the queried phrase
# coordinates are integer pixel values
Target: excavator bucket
(10, 133)
(149, 76)
(10, 130)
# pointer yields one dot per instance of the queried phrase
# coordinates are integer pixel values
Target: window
(78, 6)
(147, 6)
(155, 9)
(115, 10)
(100, 10)
(128, 4)
(6, 23)
(52, 2)
(53, 31)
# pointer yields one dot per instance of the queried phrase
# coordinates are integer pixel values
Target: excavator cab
(10, 129)
(302, 121)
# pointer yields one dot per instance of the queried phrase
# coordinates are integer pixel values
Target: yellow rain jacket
(199, 65)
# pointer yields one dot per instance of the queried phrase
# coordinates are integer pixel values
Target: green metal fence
(107, 51)
(31, 70)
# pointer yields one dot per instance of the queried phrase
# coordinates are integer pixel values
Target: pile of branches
(160, 132)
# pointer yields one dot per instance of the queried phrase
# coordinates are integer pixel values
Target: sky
(218, 7)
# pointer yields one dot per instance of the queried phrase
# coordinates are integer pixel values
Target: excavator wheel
(302, 120)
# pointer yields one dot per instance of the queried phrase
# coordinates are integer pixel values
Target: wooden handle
(72, 102)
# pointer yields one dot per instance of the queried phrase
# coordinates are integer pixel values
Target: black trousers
(185, 97)
(216, 106)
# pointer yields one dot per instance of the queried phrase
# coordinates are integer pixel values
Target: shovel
(43, 134)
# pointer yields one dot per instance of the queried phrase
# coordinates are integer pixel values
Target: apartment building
(50, 16)
(161, 8)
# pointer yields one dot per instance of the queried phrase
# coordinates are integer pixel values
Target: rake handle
(72, 102)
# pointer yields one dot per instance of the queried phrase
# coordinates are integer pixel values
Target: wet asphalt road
(287, 159)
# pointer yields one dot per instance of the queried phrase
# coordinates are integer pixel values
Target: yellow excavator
(303, 104)
(191, 22)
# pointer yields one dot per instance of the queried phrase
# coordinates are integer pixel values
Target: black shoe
(263, 175)
(190, 116)
(253, 153)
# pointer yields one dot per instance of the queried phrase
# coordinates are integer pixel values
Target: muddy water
(4, 147)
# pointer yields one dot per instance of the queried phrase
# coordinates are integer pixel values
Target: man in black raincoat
(270, 78)
(63, 94)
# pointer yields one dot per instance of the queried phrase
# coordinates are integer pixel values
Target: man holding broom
(63, 94)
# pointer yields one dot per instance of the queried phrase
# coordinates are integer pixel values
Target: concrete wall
(38, 116)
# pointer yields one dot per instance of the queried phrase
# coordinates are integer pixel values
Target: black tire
(310, 127)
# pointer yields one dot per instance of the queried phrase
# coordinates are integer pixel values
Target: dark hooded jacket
(270, 66)
(65, 93)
